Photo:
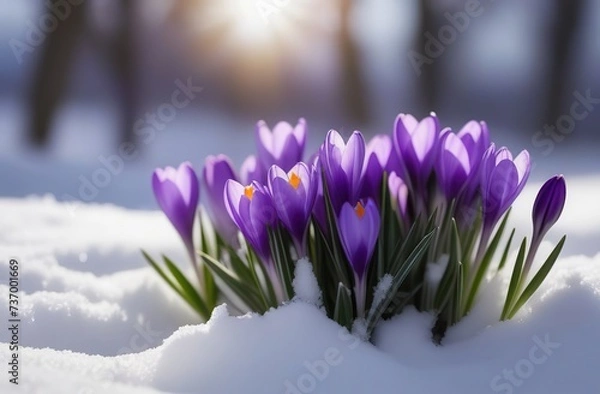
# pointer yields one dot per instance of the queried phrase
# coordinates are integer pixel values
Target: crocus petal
(416, 144)
(251, 209)
(502, 180)
(251, 170)
(284, 146)
(358, 229)
(342, 165)
(293, 195)
(217, 170)
(177, 192)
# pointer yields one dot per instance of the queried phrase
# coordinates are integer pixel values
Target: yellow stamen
(295, 180)
(360, 210)
(249, 192)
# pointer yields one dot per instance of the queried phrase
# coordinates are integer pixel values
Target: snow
(381, 290)
(305, 283)
(106, 323)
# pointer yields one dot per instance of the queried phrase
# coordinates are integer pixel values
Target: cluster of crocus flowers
(373, 217)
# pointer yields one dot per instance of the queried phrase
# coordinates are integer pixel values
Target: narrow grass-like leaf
(506, 250)
(190, 291)
(344, 312)
(448, 282)
(244, 291)
(161, 273)
(538, 278)
(415, 256)
(484, 265)
(515, 279)
(282, 259)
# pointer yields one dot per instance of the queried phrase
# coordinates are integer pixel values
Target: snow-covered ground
(95, 319)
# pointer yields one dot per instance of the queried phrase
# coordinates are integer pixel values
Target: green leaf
(191, 294)
(344, 312)
(515, 279)
(538, 278)
(484, 265)
(415, 256)
(248, 294)
(160, 272)
(506, 250)
(282, 259)
(447, 284)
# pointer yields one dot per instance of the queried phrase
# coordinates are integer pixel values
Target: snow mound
(87, 328)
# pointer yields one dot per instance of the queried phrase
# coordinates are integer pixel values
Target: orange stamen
(360, 210)
(295, 180)
(249, 192)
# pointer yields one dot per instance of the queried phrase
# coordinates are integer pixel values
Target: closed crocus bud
(251, 170)
(548, 206)
(358, 228)
(251, 209)
(502, 180)
(453, 167)
(377, 156)
(293, 194)
(284, 146)
(177, 192)
(415, 143)
(217, 171)
(342, 165)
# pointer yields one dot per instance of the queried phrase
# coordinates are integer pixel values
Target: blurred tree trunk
(124, 66)
(567, 17)
(429, 78)
(51, 73)
(352, 79)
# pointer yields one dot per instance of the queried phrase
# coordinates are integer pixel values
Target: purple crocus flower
(177, 192)
(378, 152)
(284, 146)
(251, 170)
(293, 195)
(342, 165)
(358, 228)
(251, 209)
(217, 170)
(548, 206)
(502, 180)
(415, 142)
(453, 166)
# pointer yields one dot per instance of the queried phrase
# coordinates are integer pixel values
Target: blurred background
(95, 94)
